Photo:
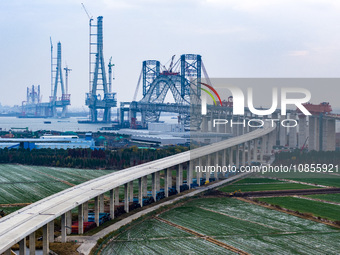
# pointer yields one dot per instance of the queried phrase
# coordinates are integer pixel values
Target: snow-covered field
(245, 226)
(27, 184)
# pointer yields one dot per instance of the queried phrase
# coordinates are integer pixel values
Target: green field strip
(327, 197)
(264, 187)
(324, 210)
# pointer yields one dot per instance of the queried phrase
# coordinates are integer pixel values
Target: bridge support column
(101, 203)
(213, 129)
(131, 191)
(86, 211)
(237, 156)
(32, 243)
(154, 186)
(207, 173)
(328, 134)
(292, 138)
(204, 124)
(231, 156)
(158, 181)
(302, 130)
(272, 141)
(112, 204)
(224, 157)
(96, 210)
(117, 196)
(63, 228)
(282, 133)
(190, 173)
(244, 154)
(140, 191)
(126, 197)
(51, 231)
(263, 143)
(145, 185)
(69, 222)
(80, 219)
(216, 174)
(46, 248)
(198, 173)
(166, 182)
(228, 127)
(22, 247)
(179, 177)
(255, 150)
(248, 153)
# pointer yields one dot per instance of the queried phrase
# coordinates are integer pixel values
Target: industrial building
(49, 142)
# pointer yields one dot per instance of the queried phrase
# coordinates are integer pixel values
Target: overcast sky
(262, 38)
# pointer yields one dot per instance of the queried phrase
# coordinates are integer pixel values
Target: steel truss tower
(99, 97)
(151, 69)
(191, 66)
(184, 86)
(64, 100)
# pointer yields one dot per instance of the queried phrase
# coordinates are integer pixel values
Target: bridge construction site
(182, 80)
(33, 107)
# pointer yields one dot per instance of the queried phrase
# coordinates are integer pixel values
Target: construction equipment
(315, 109)
(111, 77)
(67, 70)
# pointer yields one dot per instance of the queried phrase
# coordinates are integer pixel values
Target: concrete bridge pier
(224, 157)
(209, 163)
(96, 211)
(145, 186)
(153, 186)
(101, 203)
(216, 174)
(231, 156)
(86, 211)
(126, 197)
(244, 154)
(117, 196)
(302, 131)
(69, 222)
(237, 156)
(63, 228)
(131, 191)
(46, 248)
(166, 182)
(140, 191)
(292, 138)
(112, 204)
(179, 178)
(22, 246)
(204, 124)
(32, 243)
(199, 173)
(249, 152)
(51, 231)
(80, 222)
(158, 183)
(255, 150)
(190, 173)
(282, 133)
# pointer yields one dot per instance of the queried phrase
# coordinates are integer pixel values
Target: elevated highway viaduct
(16, 227)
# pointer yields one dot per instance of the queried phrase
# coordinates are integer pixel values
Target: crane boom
(88, 15)
(171, 63)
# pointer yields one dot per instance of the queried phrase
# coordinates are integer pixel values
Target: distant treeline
(87, 158)
(312, 157)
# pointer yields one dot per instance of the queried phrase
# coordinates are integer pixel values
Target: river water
(69, 124)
